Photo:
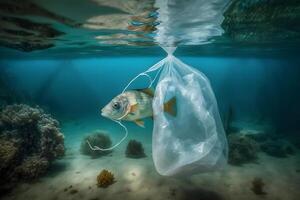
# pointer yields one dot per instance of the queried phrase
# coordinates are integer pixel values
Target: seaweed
(135, 149)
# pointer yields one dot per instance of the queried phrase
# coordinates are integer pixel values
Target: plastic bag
(194, 140)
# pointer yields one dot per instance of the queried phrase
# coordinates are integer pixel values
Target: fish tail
(170, 106)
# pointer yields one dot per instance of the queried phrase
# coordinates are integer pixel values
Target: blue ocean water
(66, 61)
(262, 92)
(80, 87)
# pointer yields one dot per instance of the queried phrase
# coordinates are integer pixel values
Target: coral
(135, 149)
(105, 178)
(8, 153)
(34, 130)
(32, 167)
(52, 140)
(20, 115)
(258, 186)
(277, 148)
(29, 141)
(96, 139)
(242, 149)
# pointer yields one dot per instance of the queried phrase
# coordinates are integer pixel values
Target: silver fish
(135, 105)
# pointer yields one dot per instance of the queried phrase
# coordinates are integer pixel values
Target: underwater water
(60, 65)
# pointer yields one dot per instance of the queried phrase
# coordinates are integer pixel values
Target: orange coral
(105, 178)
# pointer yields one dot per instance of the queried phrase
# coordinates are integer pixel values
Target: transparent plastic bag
(194, 139)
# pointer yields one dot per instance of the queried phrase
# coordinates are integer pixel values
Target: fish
(135, 105)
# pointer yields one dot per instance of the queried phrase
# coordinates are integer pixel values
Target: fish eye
(116, 105)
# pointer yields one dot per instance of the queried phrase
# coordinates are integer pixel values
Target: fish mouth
(104, 113)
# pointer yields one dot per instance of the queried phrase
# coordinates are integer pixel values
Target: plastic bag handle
(151, 69)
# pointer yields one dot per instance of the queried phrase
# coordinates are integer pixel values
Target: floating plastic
(194, 140)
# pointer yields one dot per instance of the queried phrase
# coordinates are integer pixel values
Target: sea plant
(135, 149)
(105, 179)
(99, 139)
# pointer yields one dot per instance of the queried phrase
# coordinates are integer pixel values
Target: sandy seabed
(74, 176)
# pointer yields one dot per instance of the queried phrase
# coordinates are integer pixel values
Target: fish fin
(133, 108)
(170, 107)
(140, 123)
(148, 91)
